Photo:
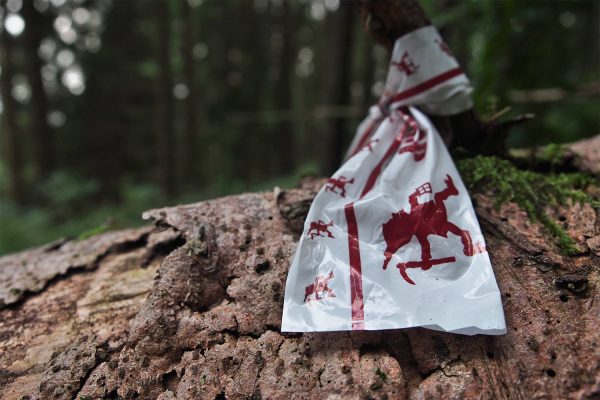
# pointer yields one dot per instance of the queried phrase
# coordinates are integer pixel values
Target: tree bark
(9, 126)
(191, 309)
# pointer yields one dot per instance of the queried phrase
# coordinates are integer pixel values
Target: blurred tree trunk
(9, 126)
(253, 159)
(190, 162)
(284, 136)
(368, 71)
(266, 59)
(114, 103)
(43, 137)
(164, 101)
(338, 85)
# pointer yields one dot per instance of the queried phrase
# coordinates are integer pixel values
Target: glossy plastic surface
(392, 240)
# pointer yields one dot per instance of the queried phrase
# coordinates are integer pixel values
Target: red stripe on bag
(428, 84)
(390, 152)
(363, 140)
(356, 290)
(365, 137)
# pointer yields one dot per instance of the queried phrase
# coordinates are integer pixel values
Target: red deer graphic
(320, 285)
(415, 141)
(406, 65)
(425, 219)
(319, 228)
(339, 183)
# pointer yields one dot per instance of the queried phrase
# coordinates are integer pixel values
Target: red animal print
(414, 141)
(320, 285)
(319, 228)
(338, 183)
(444, 47)
(429, 218)
(370, 144)
(406, 65)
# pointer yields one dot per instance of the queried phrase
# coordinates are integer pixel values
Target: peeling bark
(191, 309)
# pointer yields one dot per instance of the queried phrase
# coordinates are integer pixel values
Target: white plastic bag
(392, 240)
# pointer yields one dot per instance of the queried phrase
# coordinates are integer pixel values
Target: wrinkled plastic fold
(391, 240)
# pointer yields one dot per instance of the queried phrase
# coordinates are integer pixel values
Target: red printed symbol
(414, 141)
(429, 218)
(320, 285)
(319, 228)
(338, 183)
(370, 143)
(406, 65)
(444, 47)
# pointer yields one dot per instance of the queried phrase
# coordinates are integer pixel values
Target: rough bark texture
(191, 309)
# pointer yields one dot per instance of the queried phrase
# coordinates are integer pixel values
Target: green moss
(94, 231)
(532, 191)
(553, 153)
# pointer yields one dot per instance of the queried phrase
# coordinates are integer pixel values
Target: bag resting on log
(392, 240)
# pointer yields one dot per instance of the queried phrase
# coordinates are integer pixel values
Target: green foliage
(26, 227)
(105, 227)
(514, 45)
(68, 209)
(532, 191)
(64, 191)
(553, 154)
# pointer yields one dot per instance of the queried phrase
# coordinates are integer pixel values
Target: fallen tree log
(191, 307)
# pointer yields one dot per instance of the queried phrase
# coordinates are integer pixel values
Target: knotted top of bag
(423, 72)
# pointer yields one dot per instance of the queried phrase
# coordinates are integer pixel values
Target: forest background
(113, 107)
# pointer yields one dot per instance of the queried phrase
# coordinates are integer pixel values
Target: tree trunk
(284, 134)
(112, 106)
(191, 102)
(164, 101)
(41, 131)
(192, 309)
(367, 73)
(338, 85)
(9, 127)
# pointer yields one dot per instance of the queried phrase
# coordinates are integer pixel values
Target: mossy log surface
(190, 308)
